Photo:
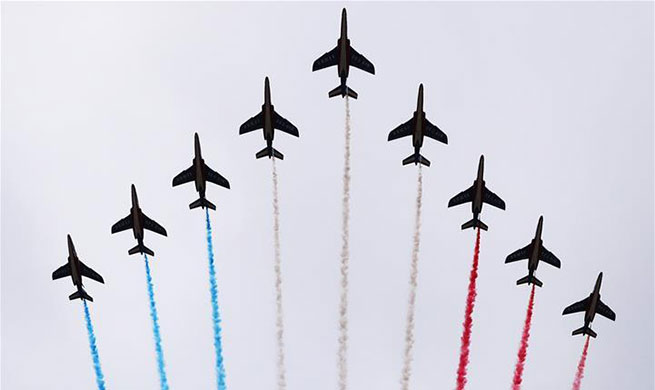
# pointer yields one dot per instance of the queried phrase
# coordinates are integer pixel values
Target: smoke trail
(216, 319)
(409, 330)
(345, 258)
(468, 317)
(163, 381)
(523, 349)
(100, 378)
(581, 364)
(279, 323)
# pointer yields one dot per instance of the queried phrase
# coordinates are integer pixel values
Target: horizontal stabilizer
(202, 202)
(584, 330)
(416, 159)
(343, 90)
(80, 294)
(529, 279)
(269, 152)
(140, 248)
(475, 223)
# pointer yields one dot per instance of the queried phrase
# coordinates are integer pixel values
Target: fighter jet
(534, 252)
(477, 194)
(76, 269)
(591, 305)
(418, 126)
(268, 120)
(200, 173)
(343, 56)
(137, 221)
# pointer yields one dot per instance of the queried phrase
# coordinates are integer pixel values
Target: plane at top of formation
(418, 127)
(138, 221)
(76, 269)
(200, 174)
(343, 56)
(534, 252)
(591, 305)
(477, 194)
(268, 120)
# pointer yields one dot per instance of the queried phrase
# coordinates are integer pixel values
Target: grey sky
(558, 96)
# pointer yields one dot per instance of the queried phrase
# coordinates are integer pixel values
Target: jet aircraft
(477, 194)
(138, 221)
(418, 126)
(200, 174)
(534, 252)
(343, 56)
(591, 305)
(76, 269)
(268, 120)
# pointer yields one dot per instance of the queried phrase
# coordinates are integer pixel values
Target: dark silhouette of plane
(477, 194)
(76, 269)
(200, 174)
(343, 56)
(591, 305)
(418, 126)
(138, 221)
(269, 120)
(534, 252)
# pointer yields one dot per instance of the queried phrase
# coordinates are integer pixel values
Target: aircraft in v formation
(591, 305)
(76, 269)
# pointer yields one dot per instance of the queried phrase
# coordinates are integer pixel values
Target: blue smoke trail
(213, 289)
(100, 378)
(163, 381)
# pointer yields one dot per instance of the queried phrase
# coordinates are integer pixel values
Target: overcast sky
(95, 97)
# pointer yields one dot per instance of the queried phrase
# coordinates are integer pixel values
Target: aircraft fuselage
(135, 211)
(537, 242)
(73, 260)
(198, 164)
(476, 205)
(594, 298)
(267, 109)
(419, 121)
(343, 43)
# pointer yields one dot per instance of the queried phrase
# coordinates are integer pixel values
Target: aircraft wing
(153, 226)
(359, 61)
(254, 123)
(461, 198)
(216, 178)
(605, 311)
(186, 176)
(62, 272)
(284, 125)
(89, 273)
(402, 130)
(520, 254)
(123, 224)
(434, 132)
(549, 257)
(328, 59)
(582, 305)
(492, 199)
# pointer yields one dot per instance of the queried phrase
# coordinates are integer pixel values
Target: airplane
(591, 305)
(343, 56)
(477, 194)
(76, 269)
(200, 174)
(534, 252)
(268, 120)
(138, 221)
(418, 127)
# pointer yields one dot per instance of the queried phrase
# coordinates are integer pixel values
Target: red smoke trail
(468, 317)
(581, 364)
(523, 349)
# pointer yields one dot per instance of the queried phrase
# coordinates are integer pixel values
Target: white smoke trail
(409, 329)
(279, 323)
(345, 259)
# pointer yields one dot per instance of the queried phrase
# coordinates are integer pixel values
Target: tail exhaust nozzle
(343, 91)
(416, 159)
(529, 279)
(269, 152)
(202, 202)
(140, 248)
(584, 330)
(475, 223)
(80, 294)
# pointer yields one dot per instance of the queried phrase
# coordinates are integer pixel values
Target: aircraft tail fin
(529, 279)
(140, 248)
(343, 90)
(416, 159)
(269, 152)
(80, 294)
(585, 330)
(202, 202)
(475, 223)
